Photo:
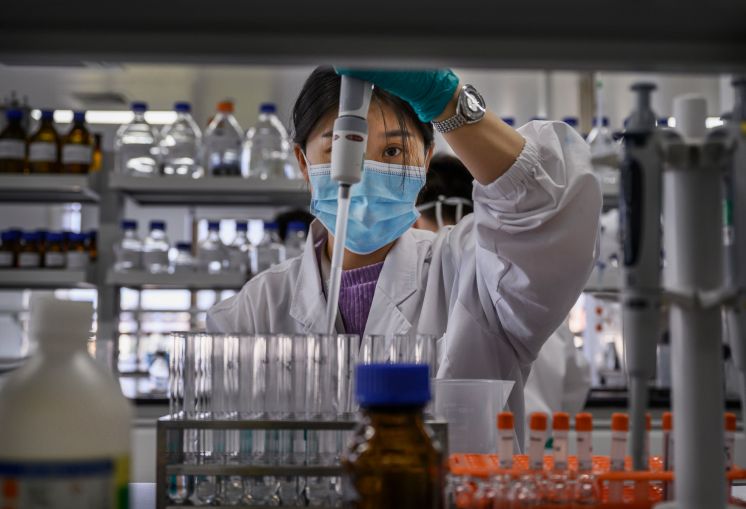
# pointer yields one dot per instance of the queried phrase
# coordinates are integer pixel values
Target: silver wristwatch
(470, 109)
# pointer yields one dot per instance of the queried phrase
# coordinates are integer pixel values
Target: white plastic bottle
(155, 249)
(136, 145)
(270, 251)
(239, 249)
(180, 144)
(295, 239)
(265, 152)
(212, 253)
(64, 423)
(128, 252)
(222, 143)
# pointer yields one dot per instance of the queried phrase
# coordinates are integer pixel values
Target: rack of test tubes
(263, 420)
(558, 480)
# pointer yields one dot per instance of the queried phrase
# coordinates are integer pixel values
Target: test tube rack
(170, 446)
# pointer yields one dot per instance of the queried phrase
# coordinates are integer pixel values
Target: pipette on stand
(349, 139)
(640, 228)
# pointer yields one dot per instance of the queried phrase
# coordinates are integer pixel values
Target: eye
(392, 151)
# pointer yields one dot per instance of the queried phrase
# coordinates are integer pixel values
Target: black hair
(320, 95)
(447, 176)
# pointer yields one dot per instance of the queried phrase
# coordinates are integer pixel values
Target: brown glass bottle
(393, 461)
(28, 255)
(92, 245)
(98, 155)
(43, 153)
(13, 144)
(54, 254)
(11, 245)
(77, 147)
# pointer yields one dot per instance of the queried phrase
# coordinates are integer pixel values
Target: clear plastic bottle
(222, 143)
(265, 152)
(183, 262)
(90, 434)
(136, 145)
(155, 249)
(392, 460)
(239, 250)
(212, 253)
(270, 250)
(128, 252)
(180, 144)
(295, 239)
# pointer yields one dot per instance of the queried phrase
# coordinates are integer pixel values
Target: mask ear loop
(439, 211)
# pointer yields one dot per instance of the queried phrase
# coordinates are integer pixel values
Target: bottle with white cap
(64, 423)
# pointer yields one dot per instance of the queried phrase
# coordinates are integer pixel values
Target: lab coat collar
(396, 284)
(308, 303)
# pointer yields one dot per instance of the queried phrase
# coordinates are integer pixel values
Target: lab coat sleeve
(535, 229)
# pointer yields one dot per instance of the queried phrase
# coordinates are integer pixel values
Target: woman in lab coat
(493, 288)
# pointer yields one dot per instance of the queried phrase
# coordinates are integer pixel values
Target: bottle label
(28, 261)
(12, 149)
(77, 154)
(85, 484)
(54, 260)
(77, 260)
(128, 259)
(42, 152)
(6, 259)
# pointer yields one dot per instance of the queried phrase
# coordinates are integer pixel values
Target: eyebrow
(398, 133)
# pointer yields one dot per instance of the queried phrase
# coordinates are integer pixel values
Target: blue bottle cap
(242, 226)
(10, 235)
(182, 107)
(54, 237)
(79, 116)
(184, 246)
(604, 121)
(77, 237)
(663, 122)
(267, 108)
(139, 107)
(271, 225)
(213, 225)
(158, 225)
(392, 385)
(509, 120)
(296, 226)
(129, 224)
(14, 114)
(571, 121)
(30, 236)
(42, 233)
(47, 114)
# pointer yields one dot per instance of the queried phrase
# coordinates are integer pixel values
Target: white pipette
(349, 139)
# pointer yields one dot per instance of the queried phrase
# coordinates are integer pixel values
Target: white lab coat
(560, 376)
(493, 287)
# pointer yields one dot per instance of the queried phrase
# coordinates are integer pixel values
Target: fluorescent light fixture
(710, 122)
(115, 117)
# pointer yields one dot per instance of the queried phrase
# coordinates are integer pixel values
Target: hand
(428, 92)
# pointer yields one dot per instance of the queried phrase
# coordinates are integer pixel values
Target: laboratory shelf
(48, 188)
(213, 191)
(45, 278)
(195, 281)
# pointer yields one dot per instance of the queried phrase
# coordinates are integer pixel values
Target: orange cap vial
(583, 422)
(561, 421)
(505, 420)
(619, 422)
(538, 421)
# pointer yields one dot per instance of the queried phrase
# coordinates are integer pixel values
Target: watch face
(472, 104)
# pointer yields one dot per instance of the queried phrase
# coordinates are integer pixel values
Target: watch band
(450, 124)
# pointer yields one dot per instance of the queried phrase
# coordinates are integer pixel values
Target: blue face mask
(381, 204)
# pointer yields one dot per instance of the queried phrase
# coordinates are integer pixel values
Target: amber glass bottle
(92, 245)
(98, 154)
(44, 146)
(77, 147)
(28, 255)
(11, 246)
(13, 143)
(393, 461)
(54, 254)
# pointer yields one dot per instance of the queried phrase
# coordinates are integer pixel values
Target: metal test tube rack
(170, 447)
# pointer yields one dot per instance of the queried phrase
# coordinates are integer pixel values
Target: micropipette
(349, 139)
(640, 228)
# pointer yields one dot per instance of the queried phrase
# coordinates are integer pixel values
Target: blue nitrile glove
(428, 92)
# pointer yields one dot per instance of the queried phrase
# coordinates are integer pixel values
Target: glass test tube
(536, 440)
(619, 429)
(505, 439)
